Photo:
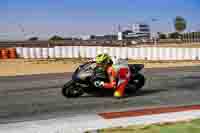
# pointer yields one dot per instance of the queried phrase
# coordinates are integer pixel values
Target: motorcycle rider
(118, 75)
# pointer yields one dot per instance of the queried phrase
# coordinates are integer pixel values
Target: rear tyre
(136, 84)
(71, 90)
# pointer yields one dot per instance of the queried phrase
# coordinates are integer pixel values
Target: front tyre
(71, 90)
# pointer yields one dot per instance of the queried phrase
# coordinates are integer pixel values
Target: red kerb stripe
(142, 112)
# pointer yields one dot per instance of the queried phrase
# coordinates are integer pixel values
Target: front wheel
(136, 83)
(71, 90)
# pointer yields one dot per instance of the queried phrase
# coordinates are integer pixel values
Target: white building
(141, 30)
(119, 36)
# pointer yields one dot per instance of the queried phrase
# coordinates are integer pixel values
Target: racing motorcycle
(87, 74)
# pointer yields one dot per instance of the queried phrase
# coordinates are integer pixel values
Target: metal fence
(191, 37)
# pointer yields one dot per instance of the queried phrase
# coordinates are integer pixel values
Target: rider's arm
(112, 78)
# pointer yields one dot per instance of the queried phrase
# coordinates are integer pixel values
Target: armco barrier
(106, 50)
(26, 53)
(124, 52)
(32, 53)
(118, 52)
(58, 51)
(52, 53)
(136, 53)
(198, 54)
(94, 51)
(144, 53)
(38, 53)
(100, 50)
(76, 51)
(186, 54)
(19, 51)
(82, 51)
(64, 52)
(45, 53)
(70, 51)
(130, 53)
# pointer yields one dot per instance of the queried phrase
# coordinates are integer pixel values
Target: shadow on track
(139, 93)
(148, 92)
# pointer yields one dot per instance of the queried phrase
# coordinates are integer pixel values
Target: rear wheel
(136, 84)
(71, 90)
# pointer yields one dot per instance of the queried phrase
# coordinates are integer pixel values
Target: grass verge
(192, 126)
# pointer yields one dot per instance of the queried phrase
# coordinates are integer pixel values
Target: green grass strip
(192, 126)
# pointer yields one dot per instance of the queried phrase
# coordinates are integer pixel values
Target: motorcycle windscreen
(85, 71)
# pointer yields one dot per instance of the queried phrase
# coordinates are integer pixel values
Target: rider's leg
(121, 88)
(123, 77)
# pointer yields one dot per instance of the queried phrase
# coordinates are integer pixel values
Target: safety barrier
(143, 53)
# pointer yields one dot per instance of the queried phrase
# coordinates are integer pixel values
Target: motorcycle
(87, 74)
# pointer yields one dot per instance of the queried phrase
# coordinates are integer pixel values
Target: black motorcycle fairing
(135, 68)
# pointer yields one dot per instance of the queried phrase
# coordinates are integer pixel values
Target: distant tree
(180, 24)
(68, 38)
(56, 38)
(162, 35)
(92, 37)
(175, 35)
(33, 39)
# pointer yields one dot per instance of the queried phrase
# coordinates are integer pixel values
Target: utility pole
(120, 38)
(154, 34)
(22, 30)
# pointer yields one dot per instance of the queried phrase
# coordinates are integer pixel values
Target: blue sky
(84, 17)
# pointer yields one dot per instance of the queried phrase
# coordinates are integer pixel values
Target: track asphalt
(38, 97)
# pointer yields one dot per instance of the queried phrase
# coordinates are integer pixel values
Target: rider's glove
(98, 83)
